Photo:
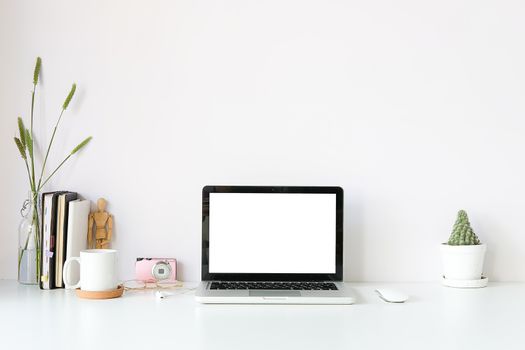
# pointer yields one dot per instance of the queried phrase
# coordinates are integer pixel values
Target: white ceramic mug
(98, 270)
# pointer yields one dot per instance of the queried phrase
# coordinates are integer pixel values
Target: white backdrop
(415, 107)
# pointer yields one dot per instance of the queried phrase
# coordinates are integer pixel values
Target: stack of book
(64, 234)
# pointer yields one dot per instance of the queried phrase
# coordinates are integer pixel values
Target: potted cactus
(463, 254)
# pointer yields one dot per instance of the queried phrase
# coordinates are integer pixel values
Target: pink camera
(156, 269)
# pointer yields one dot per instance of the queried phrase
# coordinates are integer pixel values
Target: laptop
(272, 245)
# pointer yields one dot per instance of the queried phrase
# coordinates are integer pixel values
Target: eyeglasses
(143, 285)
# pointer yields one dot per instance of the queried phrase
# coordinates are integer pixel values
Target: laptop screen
(272, 233)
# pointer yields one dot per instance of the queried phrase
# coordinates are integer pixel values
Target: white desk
(435, 317)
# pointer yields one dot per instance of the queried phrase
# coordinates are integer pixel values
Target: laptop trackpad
(275, 293)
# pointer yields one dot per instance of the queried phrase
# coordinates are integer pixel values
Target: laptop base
(342, 296)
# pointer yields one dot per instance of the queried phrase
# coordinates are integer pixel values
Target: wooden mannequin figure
(102, 219)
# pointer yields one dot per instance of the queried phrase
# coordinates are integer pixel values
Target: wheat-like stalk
(81, 145)
(20, 148)
(75, 150)
(29, 143)
(25, 141)
(69, 96)
(21, 132)
(36, 72)
(64, 107)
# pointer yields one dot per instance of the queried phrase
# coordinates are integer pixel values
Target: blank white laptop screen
(272, 233)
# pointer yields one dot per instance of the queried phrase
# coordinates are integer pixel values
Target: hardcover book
(62, 224)
(47, 261)
(77, 233)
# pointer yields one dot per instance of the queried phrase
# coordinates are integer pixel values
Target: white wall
(415, 107)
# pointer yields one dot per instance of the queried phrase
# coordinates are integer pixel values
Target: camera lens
(161, 270)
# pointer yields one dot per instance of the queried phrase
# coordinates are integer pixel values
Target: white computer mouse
(391, 295)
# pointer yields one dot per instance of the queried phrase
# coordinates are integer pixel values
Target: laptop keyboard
(275, 285)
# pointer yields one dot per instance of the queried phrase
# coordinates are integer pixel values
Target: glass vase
(29, 247)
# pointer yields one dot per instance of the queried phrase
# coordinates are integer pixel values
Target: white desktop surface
(434, 317)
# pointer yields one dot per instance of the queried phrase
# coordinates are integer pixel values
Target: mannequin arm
(110, 228)
(90, 231)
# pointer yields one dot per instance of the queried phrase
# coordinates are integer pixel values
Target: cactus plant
(462, 233)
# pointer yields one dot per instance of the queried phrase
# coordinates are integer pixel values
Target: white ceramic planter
(463, 262)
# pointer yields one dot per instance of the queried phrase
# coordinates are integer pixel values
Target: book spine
(41, 278)
(45, 239)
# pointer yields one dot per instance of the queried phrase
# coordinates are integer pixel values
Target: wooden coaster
(107, 294)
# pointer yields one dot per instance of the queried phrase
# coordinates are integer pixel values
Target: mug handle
(65, 273)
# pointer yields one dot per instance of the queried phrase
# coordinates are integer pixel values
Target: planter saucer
(480, 283)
